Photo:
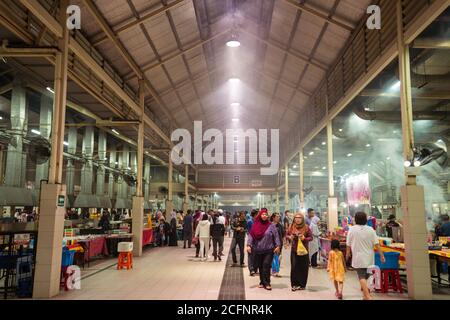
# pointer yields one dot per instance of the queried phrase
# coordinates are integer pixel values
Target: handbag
(195, 241)
(276, 264)
(301, 250)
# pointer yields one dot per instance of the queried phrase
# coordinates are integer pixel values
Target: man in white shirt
(221, 218)
(361, 242)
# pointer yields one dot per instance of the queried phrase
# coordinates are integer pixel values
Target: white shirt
(362, 239)
(202, 230)
(221, 220)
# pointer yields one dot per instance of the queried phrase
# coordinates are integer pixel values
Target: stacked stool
(125, 250)
(390, 277)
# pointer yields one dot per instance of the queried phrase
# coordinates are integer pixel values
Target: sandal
(260, 286)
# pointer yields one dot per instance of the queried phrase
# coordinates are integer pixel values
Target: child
(336, 267)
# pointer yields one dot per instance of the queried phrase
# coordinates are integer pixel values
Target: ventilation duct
(395, 116)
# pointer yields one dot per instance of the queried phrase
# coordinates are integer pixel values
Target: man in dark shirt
(444, 230)
(391, 223)
(239, 227)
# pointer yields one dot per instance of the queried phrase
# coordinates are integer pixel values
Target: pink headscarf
(259, 227)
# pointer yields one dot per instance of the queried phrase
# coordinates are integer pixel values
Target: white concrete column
(413, 198)
(186, 189)
(45, 125)
(278, 202)
(333, 221)
(138, 199)
(286, 188)
(169, 201)
(51, 214)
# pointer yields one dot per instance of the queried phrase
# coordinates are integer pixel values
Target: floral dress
(336, 267)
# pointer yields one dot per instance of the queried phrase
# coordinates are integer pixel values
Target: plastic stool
(390, 279)
(125, 260)
(125, 250)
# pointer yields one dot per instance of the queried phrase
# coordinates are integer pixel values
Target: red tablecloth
(94, 247)
(147, 236)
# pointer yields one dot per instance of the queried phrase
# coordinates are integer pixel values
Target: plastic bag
(276, 264)
(301, 250)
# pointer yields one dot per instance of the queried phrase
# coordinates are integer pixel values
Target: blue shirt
(249, 224)
(445, 229)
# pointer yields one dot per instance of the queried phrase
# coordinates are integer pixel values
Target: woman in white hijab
(314, 244)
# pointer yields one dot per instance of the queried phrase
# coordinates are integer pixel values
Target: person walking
(173, 238)
(187, 229)
(203, 234)
(251, 256)
(336, 267)
(163, 229)
(221, 220)
(264, 242)
(239, 227)
(276, 220)
(315, 242)
(196, 220)
(361, 242)
(217, 235)
(300, 236)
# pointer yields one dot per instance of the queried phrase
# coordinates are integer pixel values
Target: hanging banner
(358, 189)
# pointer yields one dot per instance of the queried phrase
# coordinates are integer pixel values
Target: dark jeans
(252, 267)
(217, 246)
(187, 238)
(221, 240)
(314, 260)
(263, 261)
(238, 241)
(299, 270)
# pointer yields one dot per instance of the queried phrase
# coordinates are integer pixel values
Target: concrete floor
(173, 273)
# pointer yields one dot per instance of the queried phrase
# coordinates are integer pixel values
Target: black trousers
(263, 261)
(299, 270)
(238, 241)
(314, 260)
(187, 238)
(217, 244)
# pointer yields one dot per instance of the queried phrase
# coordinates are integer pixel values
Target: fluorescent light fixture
(395, 86)
(366, 109)
(324, 143)
(234, 80)
(115, 131)
(311, 153)
(51, 90)
(340, 130)
(235, 120)
(295, 166)
(235, 104)
(368, 145)
(323, 168)
(66, 143)
(233, 43)
(349, 155)
(407, 163)
(36, 132)
(334, 162)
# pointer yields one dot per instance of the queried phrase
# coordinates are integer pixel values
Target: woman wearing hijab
(173, 241)
(197, 218)
(163, 230)
(263, 241)
(314, 243)
(300, 236)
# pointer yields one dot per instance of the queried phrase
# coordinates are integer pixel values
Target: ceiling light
(369, 165)
(1, 118)
(311, 153)
(51, 90)
(234, 80)
(334, 162)
(407, 163)
(394, 132)
(349, 155)
(323, 168)
(233, 43)
(417, 163)
(368, 145)
(129, 168)
(295, 166)
(235, 104)
(388, 158)
(235, 120)
(115, 131)
(366, 109)
(36, 132)
(395, 86)
(324, 143)
(66, 143)
(117, 163)
(340, 130)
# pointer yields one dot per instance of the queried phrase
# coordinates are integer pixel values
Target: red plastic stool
(125, 260)
(390, 279)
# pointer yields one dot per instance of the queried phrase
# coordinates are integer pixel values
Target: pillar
(87, 168)
(186, 189)
(412, 195)
(333, 221)
(133, 171)
(100, 187)
(301, 176)
(70, 169)
(45, 125)
(14, 160)
(277, 200)
(147, 180)
(169, 201)
(138, 163)
(112, 164)
(51, 215)
(286, 188)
